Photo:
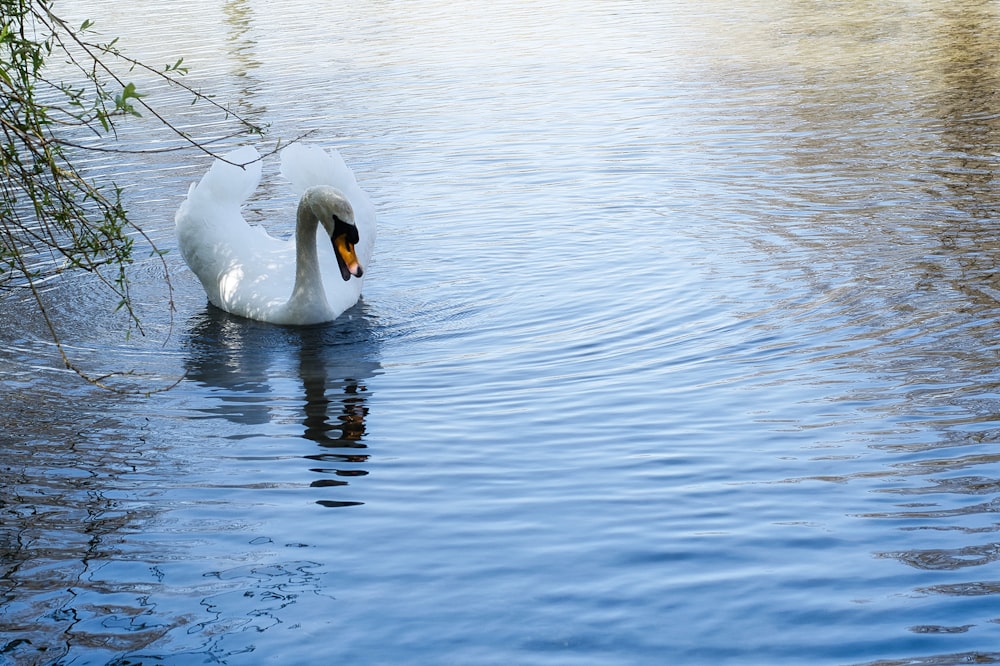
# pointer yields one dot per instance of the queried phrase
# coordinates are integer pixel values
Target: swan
(308, 279)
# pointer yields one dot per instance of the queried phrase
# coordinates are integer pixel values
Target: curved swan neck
(308, 289)
(305, 230)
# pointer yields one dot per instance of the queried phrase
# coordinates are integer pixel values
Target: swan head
(335, 213)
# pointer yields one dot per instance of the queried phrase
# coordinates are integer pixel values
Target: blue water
(679, 346)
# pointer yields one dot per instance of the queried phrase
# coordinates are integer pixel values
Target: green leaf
(122, 100)
(177, 67)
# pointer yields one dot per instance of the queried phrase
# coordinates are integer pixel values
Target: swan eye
(340, 227)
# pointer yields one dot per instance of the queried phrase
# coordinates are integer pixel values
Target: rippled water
(679, 346)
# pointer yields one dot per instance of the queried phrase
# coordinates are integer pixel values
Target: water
(679, 346)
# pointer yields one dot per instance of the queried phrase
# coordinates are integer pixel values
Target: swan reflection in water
(264, 373)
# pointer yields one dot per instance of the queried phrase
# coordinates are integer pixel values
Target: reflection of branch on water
(948, 559)
(61, 489)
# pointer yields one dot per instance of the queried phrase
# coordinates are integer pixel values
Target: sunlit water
(679, 346)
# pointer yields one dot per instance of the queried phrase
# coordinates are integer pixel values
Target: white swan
(308, 279)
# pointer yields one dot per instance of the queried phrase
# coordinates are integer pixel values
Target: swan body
(308, 279)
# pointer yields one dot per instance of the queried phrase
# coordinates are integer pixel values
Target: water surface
(679, 346)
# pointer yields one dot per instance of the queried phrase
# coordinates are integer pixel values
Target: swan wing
(236, 264)
(307, 166)
(230, 181)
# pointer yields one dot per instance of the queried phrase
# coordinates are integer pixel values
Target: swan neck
(306, 224)
(308, 279)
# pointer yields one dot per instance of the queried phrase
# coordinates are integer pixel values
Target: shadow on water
(248, 366)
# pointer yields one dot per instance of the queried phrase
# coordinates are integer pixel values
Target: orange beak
(347, 258)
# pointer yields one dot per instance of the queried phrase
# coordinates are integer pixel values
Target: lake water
(679, 346)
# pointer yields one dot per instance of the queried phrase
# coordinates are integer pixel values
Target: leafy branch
(48, 207)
